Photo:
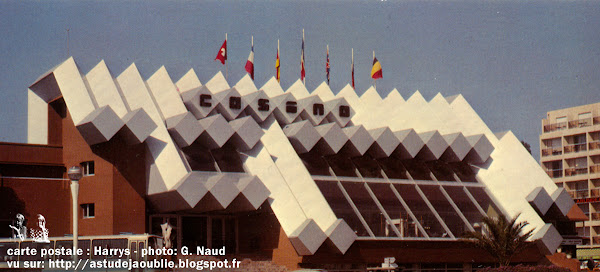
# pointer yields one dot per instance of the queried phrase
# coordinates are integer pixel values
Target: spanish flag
(277, 71)
(376, 70)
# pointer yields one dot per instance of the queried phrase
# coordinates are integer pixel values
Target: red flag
(327, 65)
(353, 69)
(376, 70)
(302, 71)
(277, 63)
(222, 55)
(250, 62)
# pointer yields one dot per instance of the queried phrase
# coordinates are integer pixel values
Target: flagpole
(327, 63)
(303, 59)
(226, 75)
(374, 80)
(353, 69)
(278, 75)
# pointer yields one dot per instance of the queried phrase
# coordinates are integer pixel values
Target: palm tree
(502, 238)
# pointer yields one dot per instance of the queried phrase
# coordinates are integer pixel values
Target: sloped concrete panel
(165, 94)
(166, 167)
(307, 238)
(272, 88)
(324, 92)
(312, 109)
(259, 105)
(548, 239)
(259, 162)
(298, 90)
(562, 200)
(385, 142)
(217, 83)
(359, 140)
(286, 109)
(435, 145)
(482, 148)
(246, 85)
(230, 103)
(104, 90)
(246, 133)
(72, 87)
(338, 110)
(332, 138)
(199, 101)
(168, 201)
(341, 235)
(37, 119)
(188, 81)
(540, 200)
(458, 148)
(410, 143)
(216, 132)
(138, 126)
(192, 188)
(222, 188)
(184, 129)
(253, 190)
(100, 126)
(302, 135)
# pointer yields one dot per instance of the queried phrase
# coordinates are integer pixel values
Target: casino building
(305, 179)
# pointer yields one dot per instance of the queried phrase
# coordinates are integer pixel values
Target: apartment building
(570, 154)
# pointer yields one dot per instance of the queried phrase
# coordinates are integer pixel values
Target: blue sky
(512, 60)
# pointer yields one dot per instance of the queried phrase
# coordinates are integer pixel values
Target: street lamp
(75, 175)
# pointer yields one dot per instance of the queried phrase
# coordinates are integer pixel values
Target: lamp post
(75, 175)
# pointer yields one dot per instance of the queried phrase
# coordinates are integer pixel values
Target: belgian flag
(376, 70)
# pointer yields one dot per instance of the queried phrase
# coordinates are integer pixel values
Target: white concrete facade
(327, 164)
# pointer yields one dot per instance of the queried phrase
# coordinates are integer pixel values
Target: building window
(87, 168)
(89, 210)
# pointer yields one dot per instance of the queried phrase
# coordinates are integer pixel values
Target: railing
(552, 151)
(575, 148)
(572, 124)
(596, 240)
(595, 192)
(555, 127)
(554, 173)
(583, 193)
(595, 168)
(574, 171)
(594, 145)
(580, 123)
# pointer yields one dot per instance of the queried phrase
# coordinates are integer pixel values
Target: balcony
(555, 127)
(583, 193)
(553, 151)
(580, 123)
(595, 192)
(572, 124)
(575, 148)
(595, 168)
(596, 240)
(595, 216)
(554, 173)
(594, 145)
(574, 171)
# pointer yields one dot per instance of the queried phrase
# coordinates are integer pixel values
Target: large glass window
(399, 216)
(420, 209)
(444, 209)
(340, 206)
(368, 209)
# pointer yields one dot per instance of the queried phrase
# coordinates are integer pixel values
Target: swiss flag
(222, 55)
